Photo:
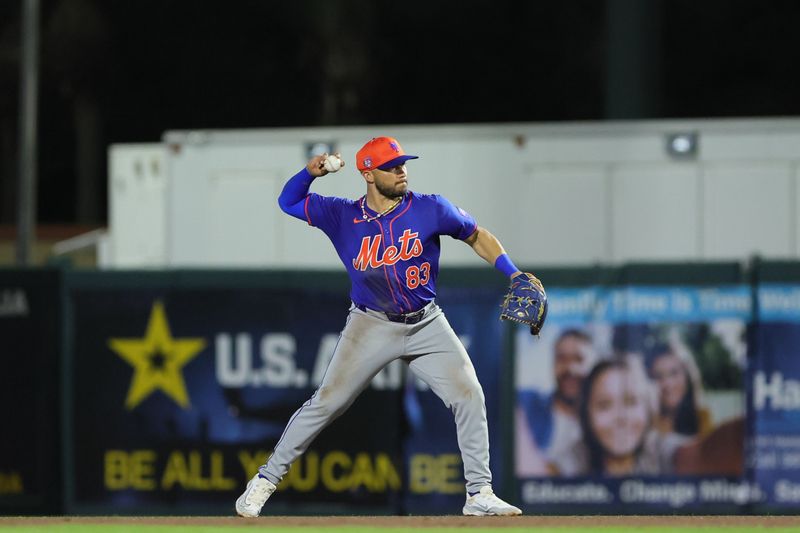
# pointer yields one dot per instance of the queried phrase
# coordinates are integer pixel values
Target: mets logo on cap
(382, 153)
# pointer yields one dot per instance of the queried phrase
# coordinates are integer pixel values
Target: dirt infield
(409, 522)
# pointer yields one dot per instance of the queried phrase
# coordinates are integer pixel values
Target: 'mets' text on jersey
(393, 260)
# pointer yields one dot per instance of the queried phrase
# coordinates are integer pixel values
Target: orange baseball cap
(383, 153)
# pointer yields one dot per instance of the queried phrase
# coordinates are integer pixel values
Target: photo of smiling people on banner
(621, 395)
(679, 389)
(547, 421)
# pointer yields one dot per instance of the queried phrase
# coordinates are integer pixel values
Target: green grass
(124, 528)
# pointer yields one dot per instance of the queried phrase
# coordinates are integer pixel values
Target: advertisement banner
(180, 394)
(30, 332)
(634, 396)
(774, 395)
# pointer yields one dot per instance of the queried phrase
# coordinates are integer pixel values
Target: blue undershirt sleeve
(293, 197)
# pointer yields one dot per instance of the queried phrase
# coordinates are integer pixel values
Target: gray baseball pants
(369, 342)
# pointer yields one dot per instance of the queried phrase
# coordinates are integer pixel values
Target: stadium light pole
(28, 103)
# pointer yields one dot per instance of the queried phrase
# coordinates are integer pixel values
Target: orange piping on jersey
(391, 236)
(305, 208)
(386, 273)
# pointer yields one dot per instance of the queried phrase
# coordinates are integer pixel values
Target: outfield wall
(161, 392)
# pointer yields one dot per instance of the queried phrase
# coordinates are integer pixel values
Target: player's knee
(329, 404)
(480, 397)
(469, 394)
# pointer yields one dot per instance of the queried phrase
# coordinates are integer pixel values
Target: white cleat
(254, 497)
(485, 503)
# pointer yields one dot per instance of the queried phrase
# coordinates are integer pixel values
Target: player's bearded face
(391, 183)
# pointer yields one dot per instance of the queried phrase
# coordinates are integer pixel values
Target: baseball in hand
(332, 163)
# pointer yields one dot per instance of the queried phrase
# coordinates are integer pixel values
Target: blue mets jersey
(393, 260)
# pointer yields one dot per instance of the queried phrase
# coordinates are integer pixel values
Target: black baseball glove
(525, 302)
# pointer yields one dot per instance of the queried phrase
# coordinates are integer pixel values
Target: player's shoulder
(438, 203)
(428, 199)
(425, 203)
(336, 201)
(346, 202)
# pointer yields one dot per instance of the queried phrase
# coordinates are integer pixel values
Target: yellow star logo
(157, 360)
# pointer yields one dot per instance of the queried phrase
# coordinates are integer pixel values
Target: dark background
(117, 71)
(30, 392)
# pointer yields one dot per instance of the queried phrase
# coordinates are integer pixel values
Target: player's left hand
(525, 302)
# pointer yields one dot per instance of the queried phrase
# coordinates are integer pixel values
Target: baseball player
(388, 241)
